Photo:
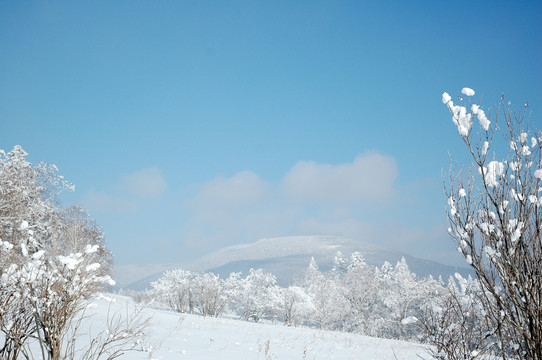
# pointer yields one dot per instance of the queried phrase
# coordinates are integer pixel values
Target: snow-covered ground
(183, 336)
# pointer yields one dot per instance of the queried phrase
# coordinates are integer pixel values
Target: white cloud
(221, 196)
(311, 198)
(100, 201)
(145, 184)
(370, 176)
(243, 188)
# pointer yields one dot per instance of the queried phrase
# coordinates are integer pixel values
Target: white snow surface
(185, 336)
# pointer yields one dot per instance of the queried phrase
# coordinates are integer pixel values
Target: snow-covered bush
(175, 289)
(210, 294)
(495, 218)
(455, 323)
(52, 261)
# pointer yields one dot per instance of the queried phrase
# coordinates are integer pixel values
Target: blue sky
(187, 126)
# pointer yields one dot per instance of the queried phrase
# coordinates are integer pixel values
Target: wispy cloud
(145, 184)
(346, 227)
(369, 177)
(223, 195)
(127, 193)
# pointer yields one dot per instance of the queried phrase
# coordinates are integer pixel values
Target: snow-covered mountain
(285, 257)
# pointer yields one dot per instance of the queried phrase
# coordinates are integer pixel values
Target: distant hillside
(286, 258)
(139, 276)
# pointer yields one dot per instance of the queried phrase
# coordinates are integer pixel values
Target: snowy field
(183, 336)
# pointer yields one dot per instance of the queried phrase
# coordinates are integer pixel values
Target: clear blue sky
(187, 126)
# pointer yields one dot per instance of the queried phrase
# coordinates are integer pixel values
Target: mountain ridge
(285, 257)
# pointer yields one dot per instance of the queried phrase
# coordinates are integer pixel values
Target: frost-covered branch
(495, 219)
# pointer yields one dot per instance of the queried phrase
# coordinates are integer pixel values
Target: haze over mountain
(285, 257)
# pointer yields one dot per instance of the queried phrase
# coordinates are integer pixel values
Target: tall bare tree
(495, 216)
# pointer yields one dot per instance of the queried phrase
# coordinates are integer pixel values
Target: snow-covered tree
(328, 298)
(257, 296)
(361, 293)
(339, 264)
(406, 300)
(294, 305)
(495, 216)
